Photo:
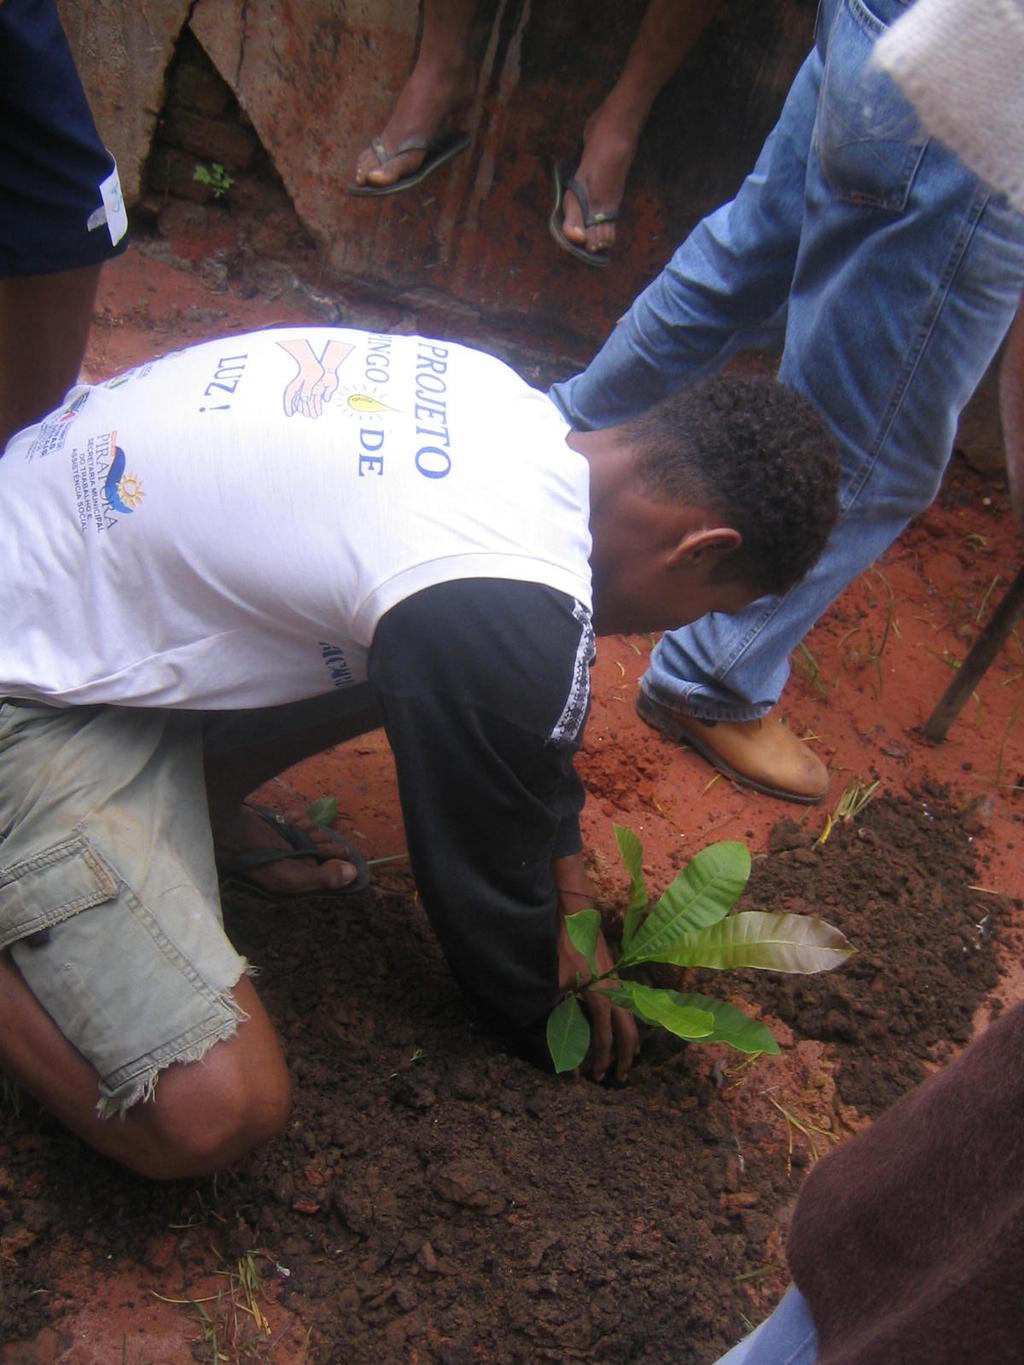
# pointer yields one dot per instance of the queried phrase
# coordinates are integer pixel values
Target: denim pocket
(51, 886)
(867, 137)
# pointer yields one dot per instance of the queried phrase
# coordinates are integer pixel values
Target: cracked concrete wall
(122, 51)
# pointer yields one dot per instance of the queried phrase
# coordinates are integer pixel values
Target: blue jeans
(893, 275)
(786, 1338)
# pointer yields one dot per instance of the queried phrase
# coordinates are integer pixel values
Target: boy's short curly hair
(757, 455)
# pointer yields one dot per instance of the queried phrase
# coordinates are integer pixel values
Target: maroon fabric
(908, 1242)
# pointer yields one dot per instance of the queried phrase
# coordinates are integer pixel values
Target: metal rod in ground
(974, 667)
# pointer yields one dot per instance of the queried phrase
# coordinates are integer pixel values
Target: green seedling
(215, 177)
(806, 665)
(234, 1326)
(324, 811)
(859, 657)
(690, 926)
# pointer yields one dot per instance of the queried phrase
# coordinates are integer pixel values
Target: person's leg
(439, 86)
(786, 1338)
(61, 215)
(723, 287)
(44, 326)
(200, 1117)
(123, 1007)
(666, 34)
(908, 277)
(245, 749)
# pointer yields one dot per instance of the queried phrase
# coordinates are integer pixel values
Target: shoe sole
(645, 709)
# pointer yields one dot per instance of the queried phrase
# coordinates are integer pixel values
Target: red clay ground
(437, 1201)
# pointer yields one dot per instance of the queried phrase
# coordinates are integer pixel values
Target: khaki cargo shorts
(109, 902)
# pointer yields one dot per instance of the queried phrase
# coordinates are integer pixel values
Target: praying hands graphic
(317, 379)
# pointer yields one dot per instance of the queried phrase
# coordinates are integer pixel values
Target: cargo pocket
(867, 137)
(51, 886)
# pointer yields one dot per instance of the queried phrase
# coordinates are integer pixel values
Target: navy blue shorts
(60, 201)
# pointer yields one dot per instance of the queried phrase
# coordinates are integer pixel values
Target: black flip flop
(563, 182)
(238, 866)
(439, 151)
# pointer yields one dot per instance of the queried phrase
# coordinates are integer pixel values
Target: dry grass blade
(849, 806)
(803, 1126)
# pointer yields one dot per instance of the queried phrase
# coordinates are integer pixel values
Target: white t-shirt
(224, 527)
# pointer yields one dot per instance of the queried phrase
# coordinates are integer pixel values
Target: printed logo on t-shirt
(105, 489)
(336, 664)
(139, 372)
(429, 408)
(54, 429)
(314, 382)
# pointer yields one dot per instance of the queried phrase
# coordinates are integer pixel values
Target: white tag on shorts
(113, 212)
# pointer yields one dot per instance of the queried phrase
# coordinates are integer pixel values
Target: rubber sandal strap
(418, 144)
(590, 219)
(428, 145)
(437, 152)
(296, 836)
(301, 846)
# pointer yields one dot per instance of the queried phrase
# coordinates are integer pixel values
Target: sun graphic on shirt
(129, 490)
(366, 404)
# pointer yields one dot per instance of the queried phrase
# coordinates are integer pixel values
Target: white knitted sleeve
(961, 64)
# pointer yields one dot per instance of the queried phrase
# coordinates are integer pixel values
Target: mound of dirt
(901, 883)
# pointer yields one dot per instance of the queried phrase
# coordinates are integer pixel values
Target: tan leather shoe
(762, 754)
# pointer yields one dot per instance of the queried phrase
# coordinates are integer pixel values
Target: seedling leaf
(583, 928)
(733, 1026)
(568, 1035)
(754, 938)
(702, 894)
(667, 1008)
(324, 811)
(631, 852)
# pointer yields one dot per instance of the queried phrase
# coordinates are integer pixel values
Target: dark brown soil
(436, 1200)
(898, 882)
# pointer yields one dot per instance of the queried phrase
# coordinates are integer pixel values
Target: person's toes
(572, 220)
(601, 237)
(335, 874)
(370, 170)
(395, 168)
(366, 163)
(328, 874)
(392, 169)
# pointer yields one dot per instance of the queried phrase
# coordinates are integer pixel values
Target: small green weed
(233, 1326)
(806, 666)
(215, 177)
(323, 812)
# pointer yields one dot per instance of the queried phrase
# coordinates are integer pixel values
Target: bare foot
(292, 876)
(427, 106)
(609, 147)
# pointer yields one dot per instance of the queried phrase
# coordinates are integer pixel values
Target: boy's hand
(613, 1031)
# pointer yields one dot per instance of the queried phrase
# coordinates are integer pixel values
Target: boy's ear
(707, 544)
